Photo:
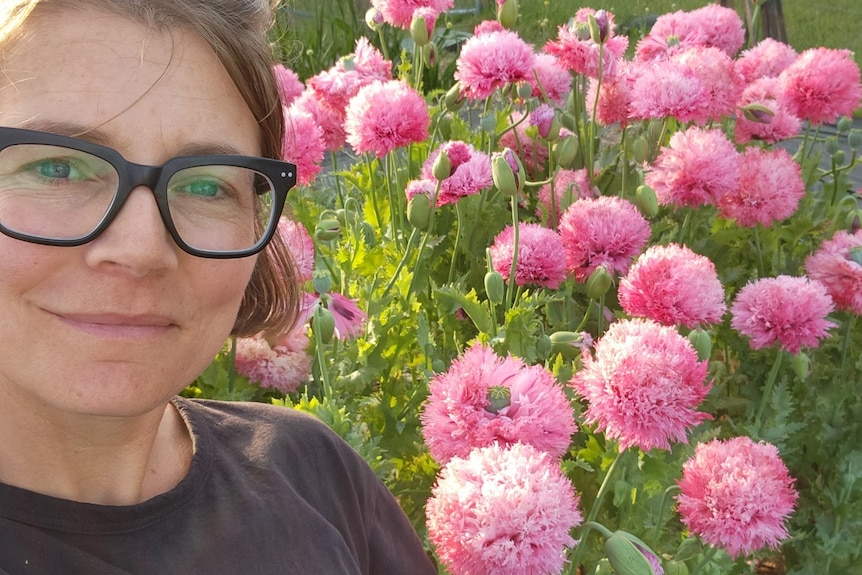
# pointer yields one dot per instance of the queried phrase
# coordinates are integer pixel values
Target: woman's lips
(119, 326)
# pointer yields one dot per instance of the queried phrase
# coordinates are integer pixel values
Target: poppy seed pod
(701, 342)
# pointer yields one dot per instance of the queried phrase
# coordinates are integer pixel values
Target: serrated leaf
(453, 299)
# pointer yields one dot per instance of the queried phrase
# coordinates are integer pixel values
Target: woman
(120, 281)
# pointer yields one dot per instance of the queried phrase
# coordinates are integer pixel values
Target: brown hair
(236, 30)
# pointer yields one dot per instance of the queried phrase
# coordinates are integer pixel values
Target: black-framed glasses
(63, 191)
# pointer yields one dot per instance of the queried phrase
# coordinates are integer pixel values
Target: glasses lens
(220, 208)
(54, 192)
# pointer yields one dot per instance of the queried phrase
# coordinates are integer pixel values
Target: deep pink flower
(579, 53)
(717, 73)
(712, 25)
(421, 186)
(736, 495)
(539, 261)
(460, 415)
(303, 144)
(487, 26)
(614, 96)
(787, 311)
(772, 127)
(673, 285)
(663, 88)
(770, 187)
(470, 171)
(289, 84)
(493, 60)
(399, 13)
(720, 26)
(532, 152)
(542, 118)
(330, 120)
(349, 319)
(300, 246)
(569, 185)
(282, 366)
(337, 85)
(644, 385)
(384, 116)
(765, 60)
(699, 167)
(555, 82)
(837, 264)
(606, 231)
(502, 511)
(822, 85)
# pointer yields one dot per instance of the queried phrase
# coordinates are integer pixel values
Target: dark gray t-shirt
(269, 490)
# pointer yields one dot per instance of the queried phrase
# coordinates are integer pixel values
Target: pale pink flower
(837, 264)
(289, 84)
(421, 186)
(579, 53)
(384, 116)
(717, 73)
(698, 167)
(606, 231)
(554, 81)
(460, 416)
(781, 124)
(644, 385)
(539, 262)
(770, 187)
(736, 495)
(491, 61)
(673, 285)
(303, 144)
(336, 86)
(487, 26)
(532, 152)
(502, 511)
(712, 25)
(720, 26)
(399, 13)
(330, 120)
(822, 85)
(614, 96)
(663, 88)
(282, 366)
(470, 171)
(300, 245)
(765, 60)
(787, 311)
(569, 185)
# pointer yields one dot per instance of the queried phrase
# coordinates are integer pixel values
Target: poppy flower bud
(627, 554)
(495, 287)
(499, 396)
(419, 211)
(565, 150)
(507, 14)
(646, 201)
(702, 343)
(419, 30)
(843, 124)
(855, 138)
(801, 365)
(568, 343)
(374, 19)
(507, 171)
(598, 283)
(444, 126)
(429, 55)
(854, 222)
(758, 113)
(327, 230)
(321, 281)
(454, 99)
(323, 323)
(675, 568)
(640, 150)
(599, 24)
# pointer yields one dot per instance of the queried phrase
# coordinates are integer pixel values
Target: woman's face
(117, 326)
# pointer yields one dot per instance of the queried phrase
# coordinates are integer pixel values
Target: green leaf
(452, 299)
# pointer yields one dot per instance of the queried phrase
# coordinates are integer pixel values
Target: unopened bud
(702, 343)
(499, 396)
(640, 150)
(374, 19)
(419, 31)
(444, 126)
(419, 211)
(327, 230)
(495, 287)
(843, 124)
(854, 221)
(801, 365)
(568, 121)
(429, 55)
(758, 113)
(854, 138)
(507, 14)
(599, 26)
(454, 99)
(442, 167)
(628, 555)
(598, 283)
(646, 201)
(507, 172)
(565, 151)
(323, 323)
(568, 343)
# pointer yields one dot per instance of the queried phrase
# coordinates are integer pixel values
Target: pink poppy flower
(614, 96)
(539, 262)
(384, 116)
(532, 152)
(554, 81)
(644, 385)
(822, 85)
(781, 124)
(300, 245)
(470, 171)
(330, 120)
(487, 26)
(399, 13)
(336, 86)
(579, 53)
(699, 167)
(673, 285)
(491, 61)
(837, 264)
(663, 88)
(717, 73)
(787, 311)
(720, 26)
(765, 60)
(736, 495)
(712, 25)
(349, 319)
(303, 144)
(502, 510)
(606, 231)
(422, 186)
(463, 412)
(569, 185)
(289, 84)
(770, 187)
(282, 366)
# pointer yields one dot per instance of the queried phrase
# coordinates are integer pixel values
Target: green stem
(767, 389)
(707, 557)
(594, 511)
(321, 361)
(845, 345)
(339, 192)
(407, 251)
(510, 288)
(491, 305)
(660, 517)
(601, 319)
(760, 265)
(460, 218)
(373, 195)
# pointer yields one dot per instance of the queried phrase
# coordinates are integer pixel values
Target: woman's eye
(56, 169)
(203, 188)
